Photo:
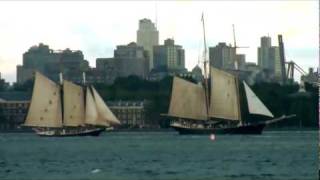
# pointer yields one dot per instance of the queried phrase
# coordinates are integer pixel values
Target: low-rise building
(311, 77)
(50, 63)
(131, 114)
(13, 109)
(12, 114)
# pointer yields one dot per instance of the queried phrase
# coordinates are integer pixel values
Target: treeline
(288, 100)
(280, 99)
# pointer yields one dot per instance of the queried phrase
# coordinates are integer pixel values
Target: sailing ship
(218, 109)
(191, 114)
(67, 109)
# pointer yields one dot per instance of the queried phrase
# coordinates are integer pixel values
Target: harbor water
(274, 155)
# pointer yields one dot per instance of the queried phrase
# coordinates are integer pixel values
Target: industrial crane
(291, 66)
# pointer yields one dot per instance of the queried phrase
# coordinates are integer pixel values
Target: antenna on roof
(156, 15)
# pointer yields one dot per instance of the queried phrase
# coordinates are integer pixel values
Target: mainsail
(187, 100)
(45, 107)
(224, 101)
(91, 114)
(254, 103)
(105, 116)
(73, 99)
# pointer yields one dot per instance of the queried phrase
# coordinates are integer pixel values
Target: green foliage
(287, 100)
(2, 85)
(134, 88)
(279, 99)
(26, 86)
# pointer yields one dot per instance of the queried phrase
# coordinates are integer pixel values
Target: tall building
(168, 56)
(131, 60)
(264, 60)
(128, 60)
(49, 62)
(269, 58)
(147, 37)
(223, 56)
(241, 59)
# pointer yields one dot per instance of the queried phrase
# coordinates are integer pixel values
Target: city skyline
(96, 28)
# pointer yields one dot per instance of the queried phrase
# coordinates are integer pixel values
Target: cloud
(97, 27)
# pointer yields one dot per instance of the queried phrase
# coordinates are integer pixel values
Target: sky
(97, 27)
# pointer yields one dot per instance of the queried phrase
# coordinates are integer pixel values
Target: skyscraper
(269, 58)
(264, 60)
(168, 56)
(147, 37)
(223, 56)
(128, 60)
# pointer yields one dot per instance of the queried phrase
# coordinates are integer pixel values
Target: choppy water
(160, 155)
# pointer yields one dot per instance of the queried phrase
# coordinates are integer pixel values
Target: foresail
(224, 100)
(45, 107)
(105, 116)
(255, 105)
(73, 99)
(187, 100)
(91, 114)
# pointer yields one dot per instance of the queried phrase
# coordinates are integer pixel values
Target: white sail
(91, 114)
(105, 116)
(224, 96)
(187, 100)
(254, 103)
(73, 99)
(45, 107)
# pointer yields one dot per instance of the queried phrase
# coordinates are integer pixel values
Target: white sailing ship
(67, 109)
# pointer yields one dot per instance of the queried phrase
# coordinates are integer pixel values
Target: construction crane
(291, 66)
(290, 70)
(282, 60)
(235, 47)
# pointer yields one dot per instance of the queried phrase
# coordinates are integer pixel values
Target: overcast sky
(98, 27)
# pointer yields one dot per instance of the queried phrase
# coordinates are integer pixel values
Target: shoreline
(172, 130)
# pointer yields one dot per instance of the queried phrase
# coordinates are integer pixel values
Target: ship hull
(245, 129)
(64, 132)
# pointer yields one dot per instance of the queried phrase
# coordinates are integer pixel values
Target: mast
(205, 66)
(239, 101)
(61, 89)
(235, 48)
(236, 62)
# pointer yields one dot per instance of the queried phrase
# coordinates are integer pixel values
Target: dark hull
(60, 133)
(245, 129)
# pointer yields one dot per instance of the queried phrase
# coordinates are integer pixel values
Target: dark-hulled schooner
(67, 109)
(198, 109)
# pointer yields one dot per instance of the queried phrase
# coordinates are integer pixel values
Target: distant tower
(263, 53)
(269, 58)
(147, 37)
